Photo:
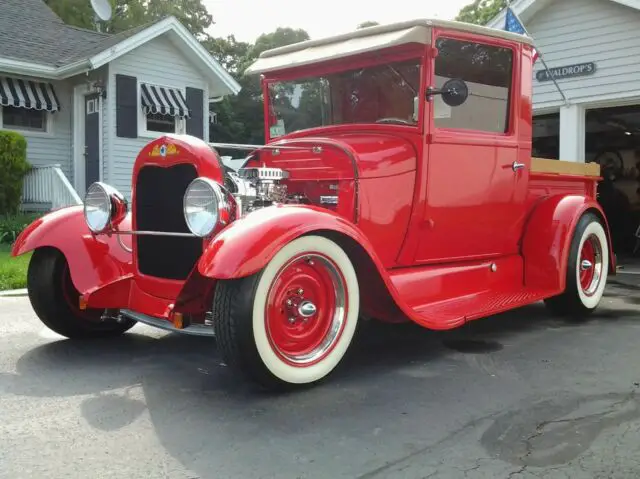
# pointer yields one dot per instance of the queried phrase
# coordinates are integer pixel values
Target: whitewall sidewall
(279, 368)
(596, 229)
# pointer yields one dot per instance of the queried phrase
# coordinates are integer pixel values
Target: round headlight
(204, 204)
(97, 208)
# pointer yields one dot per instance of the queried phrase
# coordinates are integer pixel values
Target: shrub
(13, 168)
(12, 225)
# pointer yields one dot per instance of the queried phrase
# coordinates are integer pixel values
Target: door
(475, 201)
(91, 140)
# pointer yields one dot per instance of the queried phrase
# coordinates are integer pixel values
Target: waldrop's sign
(581, 69)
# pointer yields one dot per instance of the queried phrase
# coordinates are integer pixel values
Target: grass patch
(13, 271)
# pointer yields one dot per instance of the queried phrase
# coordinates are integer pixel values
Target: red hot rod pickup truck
(396, 183)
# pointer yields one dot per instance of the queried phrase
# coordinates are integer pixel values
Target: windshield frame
(393, 55)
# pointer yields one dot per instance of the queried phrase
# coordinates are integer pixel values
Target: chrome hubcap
(585, 265)
(307, 309)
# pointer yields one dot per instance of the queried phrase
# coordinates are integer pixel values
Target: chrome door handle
(517, 166)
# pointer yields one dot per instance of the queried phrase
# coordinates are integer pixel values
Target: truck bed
(549, 177)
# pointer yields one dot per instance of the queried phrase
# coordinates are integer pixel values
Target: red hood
(344, 156)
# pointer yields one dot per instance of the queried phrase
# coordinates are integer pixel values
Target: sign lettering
(580, 69)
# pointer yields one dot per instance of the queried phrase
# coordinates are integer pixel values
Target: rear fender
(94, 261)
(547, 239)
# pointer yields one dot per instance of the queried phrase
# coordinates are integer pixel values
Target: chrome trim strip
(151, 233)
(194, 329)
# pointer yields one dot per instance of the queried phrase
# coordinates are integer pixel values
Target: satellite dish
(102, 9)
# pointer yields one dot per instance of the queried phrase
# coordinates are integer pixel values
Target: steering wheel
(394, 120)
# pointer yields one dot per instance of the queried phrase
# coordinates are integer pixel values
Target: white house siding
(578, 31)
(159, 62)
(54, 146)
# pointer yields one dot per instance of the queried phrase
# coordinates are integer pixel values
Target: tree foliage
(132, 13)
(13, 168)
(241, 117)
(481, 11)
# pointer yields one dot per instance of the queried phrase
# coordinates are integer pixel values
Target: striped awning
(28, 94)
(163, 100)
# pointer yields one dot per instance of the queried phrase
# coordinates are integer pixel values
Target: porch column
(572, 133)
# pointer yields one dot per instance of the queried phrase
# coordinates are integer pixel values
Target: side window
(487, 71)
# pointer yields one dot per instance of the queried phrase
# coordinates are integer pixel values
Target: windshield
(380, 93)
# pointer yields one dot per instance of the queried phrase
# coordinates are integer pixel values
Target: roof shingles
(31, 32)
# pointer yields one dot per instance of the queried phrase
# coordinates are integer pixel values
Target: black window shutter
(126, 106)
(195, 102)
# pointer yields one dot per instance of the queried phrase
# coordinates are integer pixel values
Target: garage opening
(546, 136)
(613, 141)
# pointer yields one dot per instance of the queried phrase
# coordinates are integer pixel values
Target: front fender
(93, 260)
(247, 245)
(547, 239)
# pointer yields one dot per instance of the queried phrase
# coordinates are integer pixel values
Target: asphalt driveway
(514, 396)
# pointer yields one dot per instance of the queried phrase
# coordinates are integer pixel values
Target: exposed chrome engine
(258, 187)
(263, 188)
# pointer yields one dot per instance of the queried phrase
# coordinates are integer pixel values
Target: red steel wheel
(306, 309)
(590, 266)
(291, 323)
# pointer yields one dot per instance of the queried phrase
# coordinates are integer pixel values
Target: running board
(194, 329)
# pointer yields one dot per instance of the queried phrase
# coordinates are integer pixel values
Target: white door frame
(79, 94)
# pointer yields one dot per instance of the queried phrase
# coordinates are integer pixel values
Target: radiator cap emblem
(164, 150)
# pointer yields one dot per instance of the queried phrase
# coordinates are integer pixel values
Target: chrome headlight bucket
(104, 207)
(206, 206)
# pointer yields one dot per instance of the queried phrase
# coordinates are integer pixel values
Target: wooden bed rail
(559, 167)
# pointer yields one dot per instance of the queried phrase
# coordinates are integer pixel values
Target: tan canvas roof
(366, 40)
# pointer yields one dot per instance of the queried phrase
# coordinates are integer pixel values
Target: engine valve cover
(262, 173)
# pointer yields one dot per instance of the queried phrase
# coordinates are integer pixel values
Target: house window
(163, 109)
(487, 71)
(24, 119)
(161, 123)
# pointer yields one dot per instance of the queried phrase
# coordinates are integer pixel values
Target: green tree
(481, 11)
(241, 116)
(132, 13)
(73, 12)
(229, 52)
(281, 37)
(192, 14)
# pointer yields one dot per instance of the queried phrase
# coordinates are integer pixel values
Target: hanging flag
(512, 24)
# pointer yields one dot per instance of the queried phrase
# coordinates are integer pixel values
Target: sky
(246, 21)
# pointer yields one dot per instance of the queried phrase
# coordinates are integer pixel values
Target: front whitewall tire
(290, 324)
(277, 366)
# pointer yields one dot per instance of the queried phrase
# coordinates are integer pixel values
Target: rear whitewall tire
(582, 295)
(273, 362)
(591, 301)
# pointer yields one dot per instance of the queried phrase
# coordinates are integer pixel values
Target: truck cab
(396, 184)
(458, 100)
